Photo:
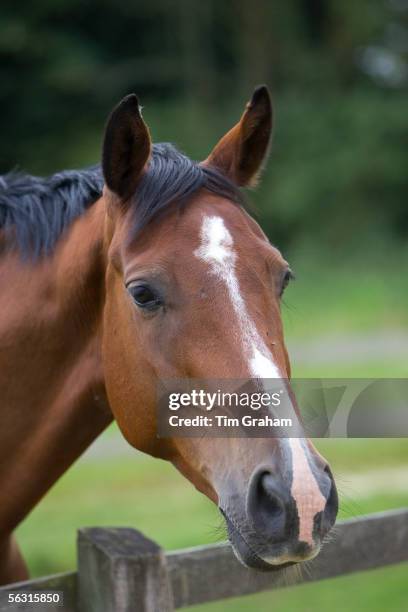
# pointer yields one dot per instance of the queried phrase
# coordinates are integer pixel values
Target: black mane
(36, 211)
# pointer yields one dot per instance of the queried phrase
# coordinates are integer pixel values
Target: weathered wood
(210, 573)
(66, 582)
(120, 570)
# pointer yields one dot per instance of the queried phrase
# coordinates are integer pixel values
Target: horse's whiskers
(218, 532)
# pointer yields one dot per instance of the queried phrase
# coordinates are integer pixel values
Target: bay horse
(144, 268)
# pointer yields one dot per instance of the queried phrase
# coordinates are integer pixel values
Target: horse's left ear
(126, 148)
(242, 151)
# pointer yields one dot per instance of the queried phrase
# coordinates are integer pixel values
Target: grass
(359, 296)
(328, 303)
(377, 368)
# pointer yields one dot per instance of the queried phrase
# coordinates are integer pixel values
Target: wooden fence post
(120, 570)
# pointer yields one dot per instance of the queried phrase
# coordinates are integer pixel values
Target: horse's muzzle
(269, 535)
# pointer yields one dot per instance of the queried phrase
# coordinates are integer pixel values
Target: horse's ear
(242, 151)
(126, 147)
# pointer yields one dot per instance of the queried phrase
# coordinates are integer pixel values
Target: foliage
(338, 167)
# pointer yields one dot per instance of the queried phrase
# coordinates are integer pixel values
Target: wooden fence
(120, 570)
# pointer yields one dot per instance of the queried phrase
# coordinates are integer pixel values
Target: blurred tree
(338, 71)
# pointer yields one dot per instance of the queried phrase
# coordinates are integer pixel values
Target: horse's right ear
(126, 148)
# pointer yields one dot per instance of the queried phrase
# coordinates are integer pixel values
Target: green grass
(330, 304)
(391, 368)
(139, 492)
(356, 296)
(361, 455)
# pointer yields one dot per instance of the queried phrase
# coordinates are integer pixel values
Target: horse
(149, 267)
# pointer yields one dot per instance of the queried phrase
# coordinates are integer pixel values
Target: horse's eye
(285, 280)
(144, 296)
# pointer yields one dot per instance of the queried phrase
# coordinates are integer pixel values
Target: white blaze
(216, 249)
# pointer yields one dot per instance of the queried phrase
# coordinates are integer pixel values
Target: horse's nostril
(267, 506)
(332, 506)
(286, 520)
(268, 496)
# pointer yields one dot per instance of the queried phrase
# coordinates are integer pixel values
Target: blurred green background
(333, 199)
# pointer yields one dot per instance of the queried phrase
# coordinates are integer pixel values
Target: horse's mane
(35, 211)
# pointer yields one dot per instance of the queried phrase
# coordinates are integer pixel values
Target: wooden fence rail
(120, 570)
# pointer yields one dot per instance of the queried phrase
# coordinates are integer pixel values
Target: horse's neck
(52, 397)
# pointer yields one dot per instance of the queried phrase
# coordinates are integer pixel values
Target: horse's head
(193, 289)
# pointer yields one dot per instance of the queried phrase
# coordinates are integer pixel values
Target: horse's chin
(247, 556)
